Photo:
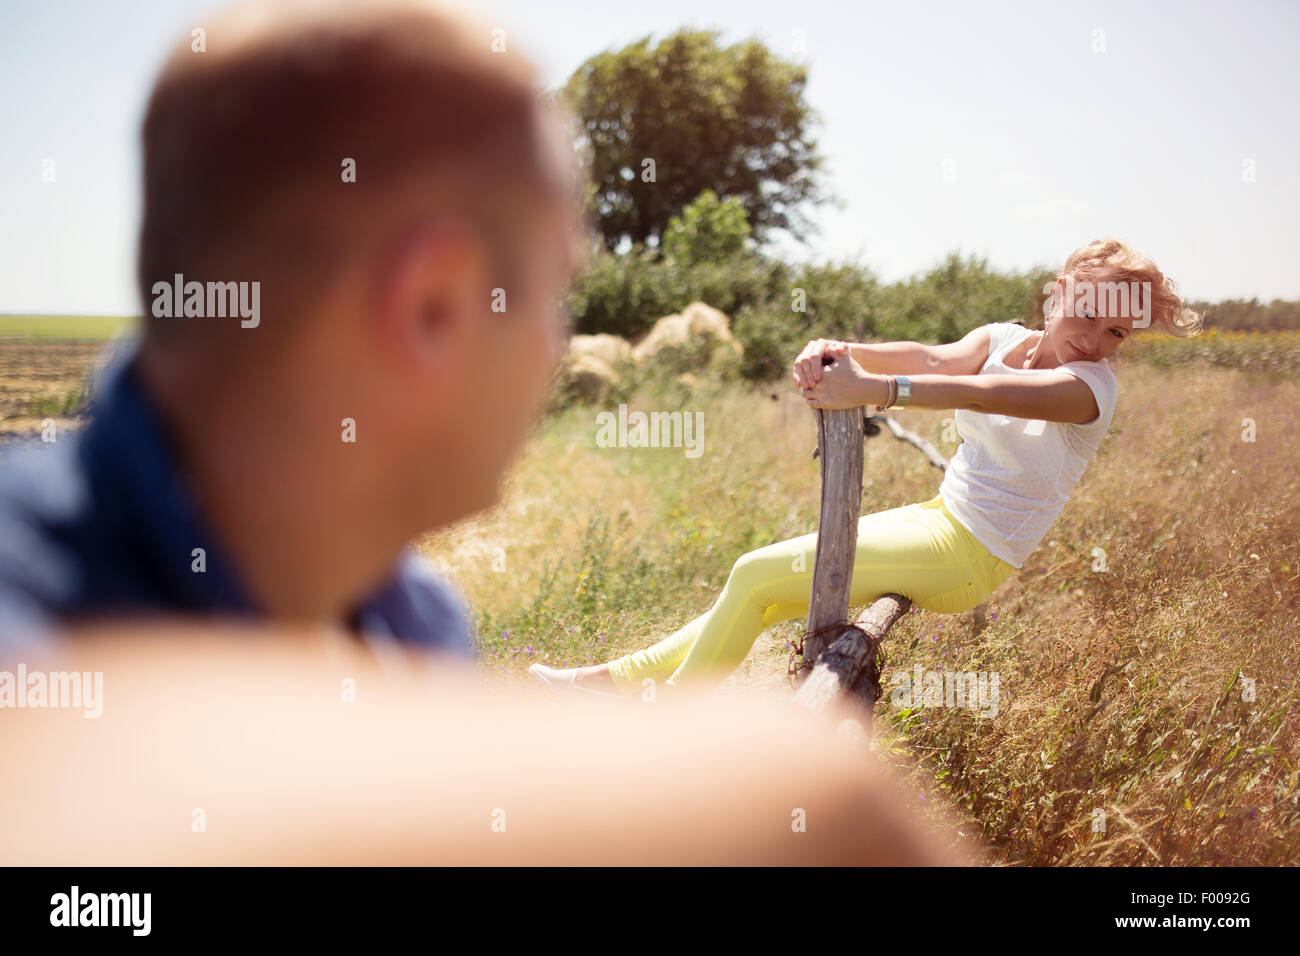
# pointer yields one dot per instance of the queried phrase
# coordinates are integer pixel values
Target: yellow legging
(919, 551)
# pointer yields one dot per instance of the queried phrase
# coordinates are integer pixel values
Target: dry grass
(1122, 690)
(1129, 687)
(40, 379)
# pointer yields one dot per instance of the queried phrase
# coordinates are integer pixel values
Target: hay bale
(671, 333)
(696, 338)
(613, 350)
(588, 377)
(708, 324)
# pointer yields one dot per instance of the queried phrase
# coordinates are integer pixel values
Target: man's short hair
(245, 143)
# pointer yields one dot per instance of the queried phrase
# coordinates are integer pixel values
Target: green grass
(69, 328)
(70, 401)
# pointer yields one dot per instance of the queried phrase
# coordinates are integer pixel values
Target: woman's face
(1088, 319)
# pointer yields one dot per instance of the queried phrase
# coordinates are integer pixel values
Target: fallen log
(850, 666)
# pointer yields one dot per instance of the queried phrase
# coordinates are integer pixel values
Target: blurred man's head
(388, 174)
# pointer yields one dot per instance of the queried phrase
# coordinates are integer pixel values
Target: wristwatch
(904, 391)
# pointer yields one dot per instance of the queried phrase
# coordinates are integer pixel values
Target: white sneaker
(560, 681)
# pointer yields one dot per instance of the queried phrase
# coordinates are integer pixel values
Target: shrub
(624, 294)
(708, 230)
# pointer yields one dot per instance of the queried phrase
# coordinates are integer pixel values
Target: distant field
(43, 378)
(67, 328)
(1251, 351)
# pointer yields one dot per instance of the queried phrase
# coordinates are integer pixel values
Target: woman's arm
(964, 357)
(894, 358)
(1054, 396)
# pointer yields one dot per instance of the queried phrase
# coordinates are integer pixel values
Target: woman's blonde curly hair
(1115, 261)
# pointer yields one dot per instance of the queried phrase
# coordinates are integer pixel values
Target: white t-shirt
(1011, 476)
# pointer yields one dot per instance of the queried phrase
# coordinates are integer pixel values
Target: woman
(1032, 408)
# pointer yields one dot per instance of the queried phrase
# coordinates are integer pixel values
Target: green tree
(660, 124)
(708, 230)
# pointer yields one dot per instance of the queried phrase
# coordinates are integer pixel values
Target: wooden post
(839, 444)
(840, 658)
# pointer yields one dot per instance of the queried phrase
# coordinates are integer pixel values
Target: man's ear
(431, 290)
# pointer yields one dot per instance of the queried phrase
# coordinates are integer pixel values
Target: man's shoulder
(42, 494)
(36, 476)
(421, 606)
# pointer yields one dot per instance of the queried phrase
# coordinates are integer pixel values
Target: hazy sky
(1012, 130)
